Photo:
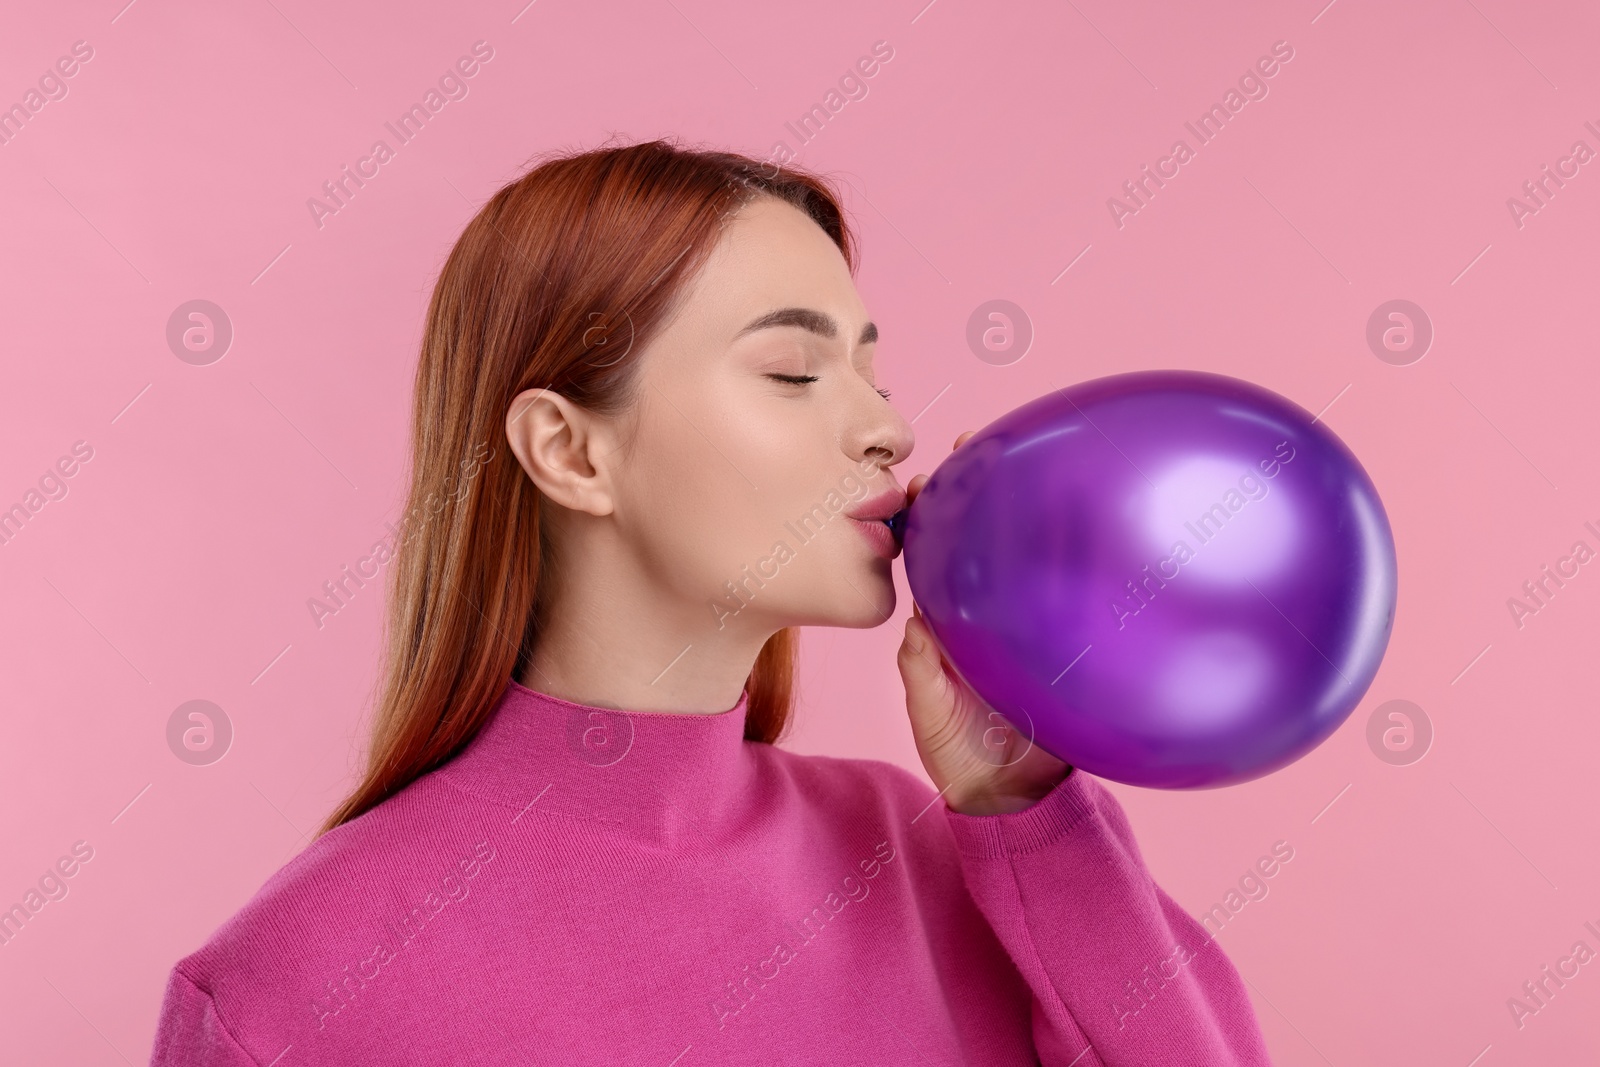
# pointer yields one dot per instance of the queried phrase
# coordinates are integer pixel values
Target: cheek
(717, 481)
(708, 490)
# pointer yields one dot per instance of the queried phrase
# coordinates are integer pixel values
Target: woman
(647, 447)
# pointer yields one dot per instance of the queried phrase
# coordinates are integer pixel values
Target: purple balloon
(1168, 578)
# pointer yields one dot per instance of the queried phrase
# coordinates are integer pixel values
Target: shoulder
(423, 839)
(884, 818)
(856, 781)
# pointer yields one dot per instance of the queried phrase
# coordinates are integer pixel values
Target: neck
(658, 777)
(617, 634)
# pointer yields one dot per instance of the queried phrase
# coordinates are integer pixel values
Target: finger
(926, 684)
(914, 487)
(930, 697)
(962, 440)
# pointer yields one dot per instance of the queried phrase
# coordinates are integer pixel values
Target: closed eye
(807, 379)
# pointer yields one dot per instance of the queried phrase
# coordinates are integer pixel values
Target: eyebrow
(807, 319)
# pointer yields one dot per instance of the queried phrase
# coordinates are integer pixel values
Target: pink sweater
(581, 886)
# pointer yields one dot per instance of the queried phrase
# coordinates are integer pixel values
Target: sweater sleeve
(1114, 964)
(190, 1033)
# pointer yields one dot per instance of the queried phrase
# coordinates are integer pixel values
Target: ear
(563, 448)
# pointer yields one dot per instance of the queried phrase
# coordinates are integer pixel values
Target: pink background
(980, 163)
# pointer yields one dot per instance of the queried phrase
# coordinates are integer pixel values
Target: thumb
(933, 704)
(930, 694)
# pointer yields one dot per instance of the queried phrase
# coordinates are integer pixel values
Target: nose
(888, 436)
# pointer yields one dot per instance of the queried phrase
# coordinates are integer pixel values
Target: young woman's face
(741, 473)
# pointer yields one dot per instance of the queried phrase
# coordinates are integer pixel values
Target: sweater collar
(657, 775)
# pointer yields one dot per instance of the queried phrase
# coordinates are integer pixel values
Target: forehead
(771, 254)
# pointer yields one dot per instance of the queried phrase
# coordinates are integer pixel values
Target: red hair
(559, 282)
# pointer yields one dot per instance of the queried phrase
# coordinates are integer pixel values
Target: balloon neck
(897, 525)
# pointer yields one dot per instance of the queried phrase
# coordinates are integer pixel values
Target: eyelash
(807, 379)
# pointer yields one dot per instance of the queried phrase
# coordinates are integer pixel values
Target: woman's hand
(978, 762)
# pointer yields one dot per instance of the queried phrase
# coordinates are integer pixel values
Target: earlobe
(554, 442)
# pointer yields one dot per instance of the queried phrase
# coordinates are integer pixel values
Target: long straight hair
(559, 282)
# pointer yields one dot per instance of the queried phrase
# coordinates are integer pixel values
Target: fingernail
(915, 639)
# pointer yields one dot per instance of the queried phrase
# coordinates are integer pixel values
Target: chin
(872, 600)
